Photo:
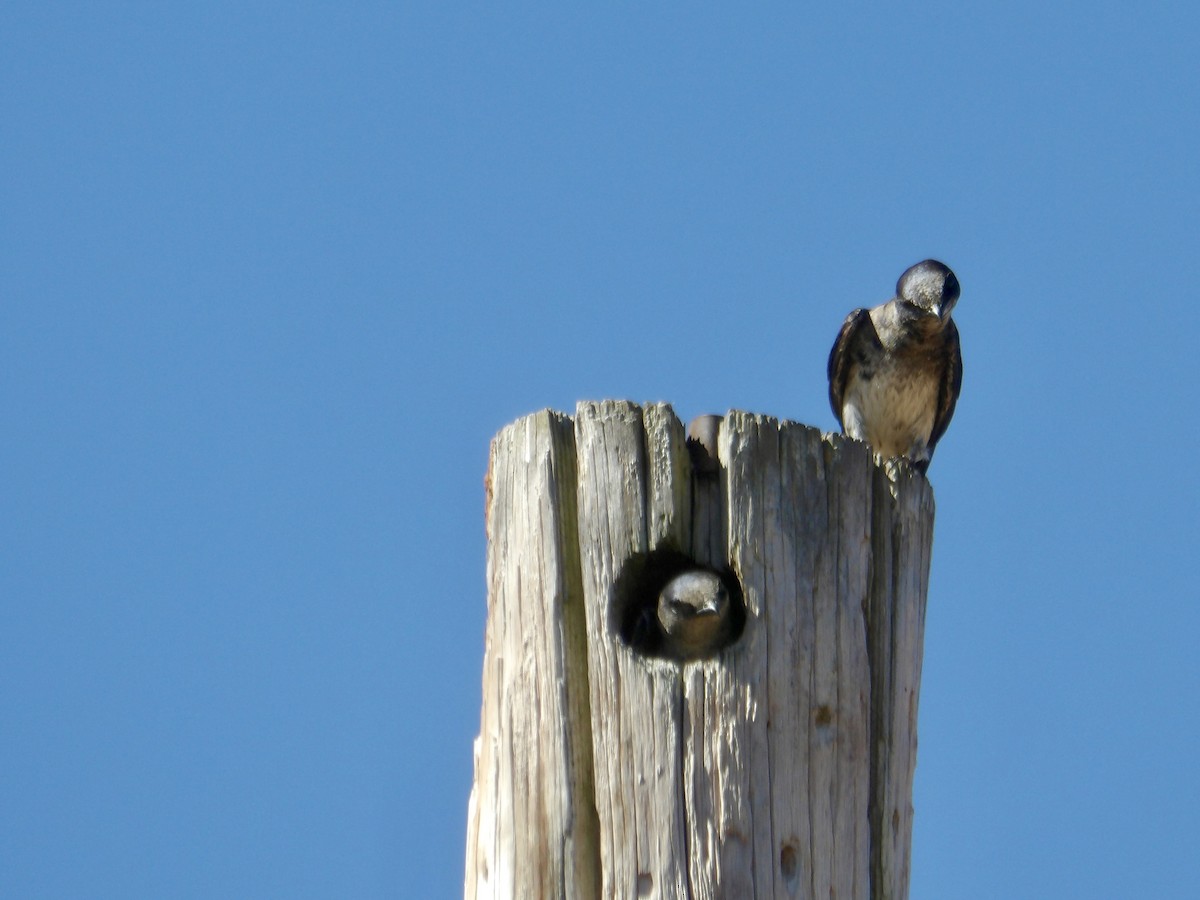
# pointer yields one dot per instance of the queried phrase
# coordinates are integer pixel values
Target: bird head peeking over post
(694, 612)
(895, 371)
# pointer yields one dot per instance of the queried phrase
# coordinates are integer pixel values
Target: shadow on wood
(782, 766)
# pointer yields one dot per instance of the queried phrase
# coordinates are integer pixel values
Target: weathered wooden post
(782, 766)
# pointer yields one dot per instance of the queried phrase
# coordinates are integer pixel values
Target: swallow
(895, 371)
(694, 614)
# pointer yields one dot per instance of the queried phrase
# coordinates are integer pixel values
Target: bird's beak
(710, 607)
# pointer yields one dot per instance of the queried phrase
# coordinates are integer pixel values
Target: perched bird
(895, 371)
(694, 612)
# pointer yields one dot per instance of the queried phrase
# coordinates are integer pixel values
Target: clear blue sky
(272, 275)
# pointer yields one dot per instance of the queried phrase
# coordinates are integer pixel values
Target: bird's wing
(949, 389)
(846, 351)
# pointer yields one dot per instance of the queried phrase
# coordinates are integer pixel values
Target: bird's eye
(951, 289)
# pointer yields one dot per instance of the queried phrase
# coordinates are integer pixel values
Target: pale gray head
(693, 610)
(928, 287)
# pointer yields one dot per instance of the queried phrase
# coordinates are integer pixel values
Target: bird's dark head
(693, 595)
(694, 612)
(929, 287)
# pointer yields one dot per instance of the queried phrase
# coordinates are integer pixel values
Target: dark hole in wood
(789, 864)
(633, 611)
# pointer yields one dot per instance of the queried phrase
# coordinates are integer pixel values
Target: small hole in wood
(789, 864)
(823, 716)
(665, 605)
(645, 884)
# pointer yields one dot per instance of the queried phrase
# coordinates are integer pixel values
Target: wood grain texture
(635, 702)
(781, 767)
(531, 822)
(903, 545)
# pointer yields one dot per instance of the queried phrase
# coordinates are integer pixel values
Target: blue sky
(272, 275)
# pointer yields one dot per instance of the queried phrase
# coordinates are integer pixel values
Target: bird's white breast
(893, 410)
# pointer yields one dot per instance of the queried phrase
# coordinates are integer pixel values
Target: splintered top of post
(733, 424)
